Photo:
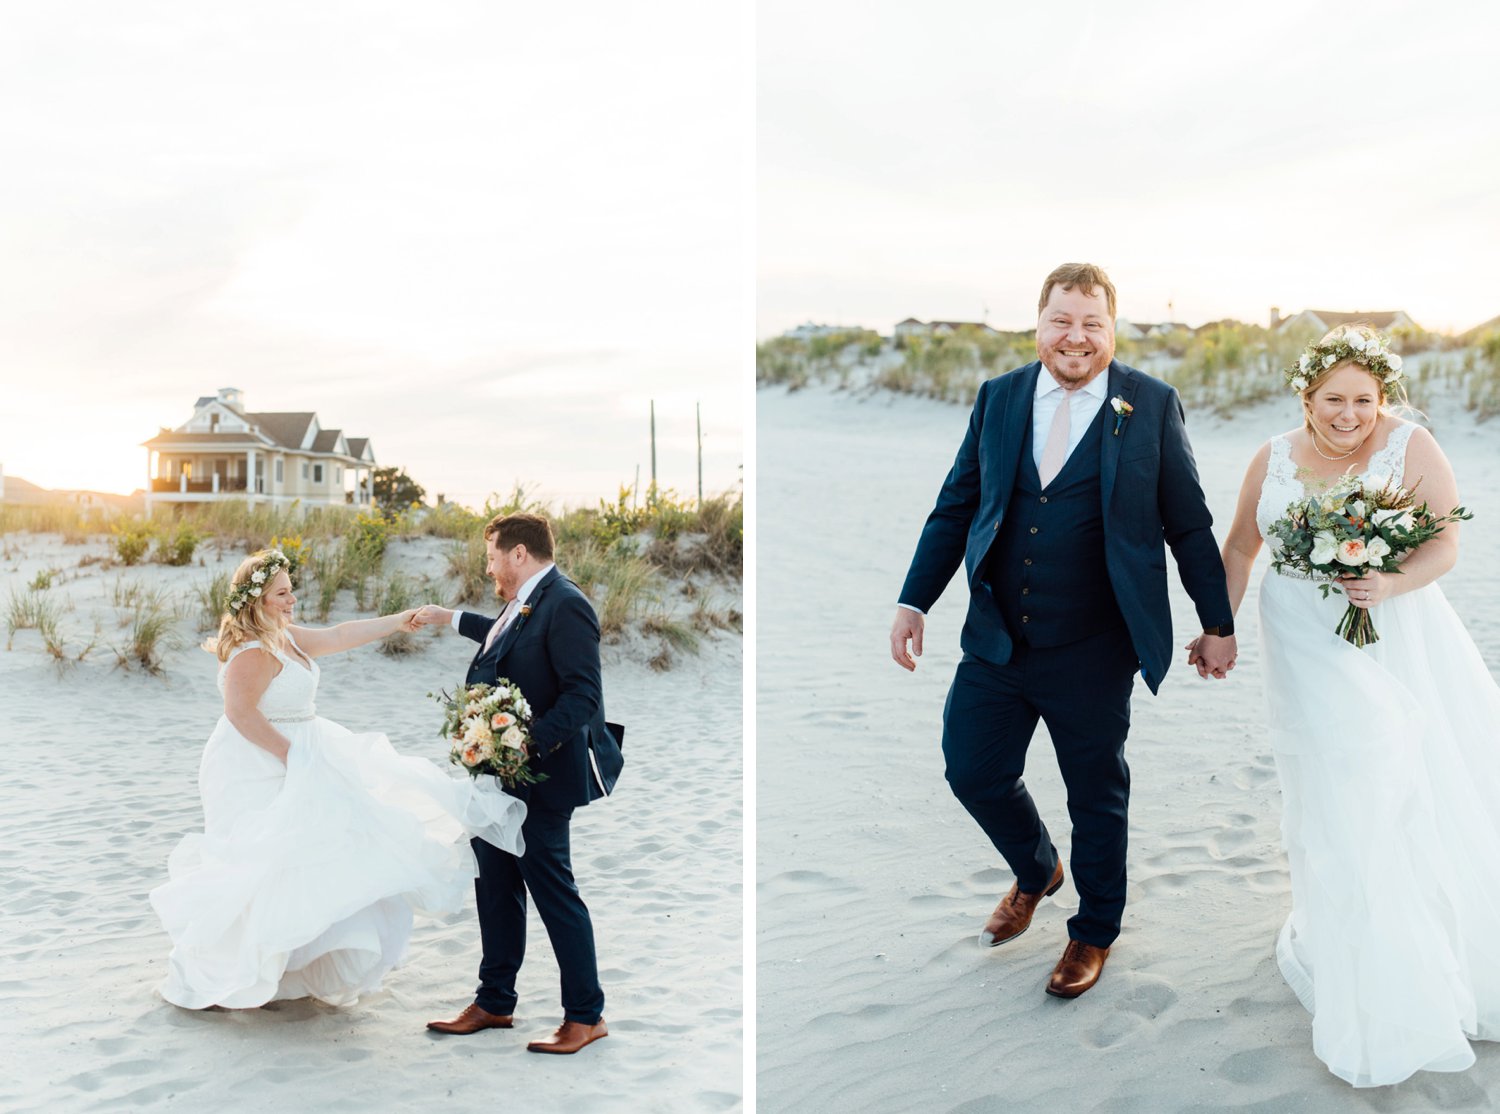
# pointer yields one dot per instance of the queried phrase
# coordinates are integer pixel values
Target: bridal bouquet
(1348, 530)
(488, 727)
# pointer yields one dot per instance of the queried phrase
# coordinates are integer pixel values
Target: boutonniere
(521, 615)
(1122, 411)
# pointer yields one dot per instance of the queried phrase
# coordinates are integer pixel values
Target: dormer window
(213, 423)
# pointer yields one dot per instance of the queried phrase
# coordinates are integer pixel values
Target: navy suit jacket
(552, 653)
(1150, 491)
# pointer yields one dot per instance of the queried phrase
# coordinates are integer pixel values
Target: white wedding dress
(1389, 761)
(305, 877)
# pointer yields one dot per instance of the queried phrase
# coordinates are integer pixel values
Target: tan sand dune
(873, 881)
(100, 782)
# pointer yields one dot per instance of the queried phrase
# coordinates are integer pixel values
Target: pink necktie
(500, 623)
(1056, 449)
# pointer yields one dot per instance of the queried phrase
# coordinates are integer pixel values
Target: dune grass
(626, 554)
(31, 610)
(618, 582)
(151, 636)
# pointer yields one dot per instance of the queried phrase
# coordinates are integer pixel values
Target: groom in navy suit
(546, 641)
(1074, 476)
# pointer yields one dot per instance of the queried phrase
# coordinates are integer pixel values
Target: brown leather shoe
(1013, 915)
(1078, 969)
(472, 1020)
(569, 1038)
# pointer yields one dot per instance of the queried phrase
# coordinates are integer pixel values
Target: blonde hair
(1392, 392)
(252, 622)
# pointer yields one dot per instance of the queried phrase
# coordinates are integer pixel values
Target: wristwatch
(1223, 630)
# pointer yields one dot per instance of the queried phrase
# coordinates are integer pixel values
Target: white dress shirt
(1084, 405)
(523, 595)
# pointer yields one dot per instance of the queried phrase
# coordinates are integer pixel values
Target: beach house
(1321, 320)
(225, 451)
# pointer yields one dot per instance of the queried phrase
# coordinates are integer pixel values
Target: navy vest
(1046, 569)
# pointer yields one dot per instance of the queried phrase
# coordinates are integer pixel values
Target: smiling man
(1074, 476)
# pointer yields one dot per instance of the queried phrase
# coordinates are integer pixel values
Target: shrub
(297, 553)
(132, 539)
(177, 548)
(43, 579)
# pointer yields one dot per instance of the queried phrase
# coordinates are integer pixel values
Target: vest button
(1044, 498)
(1025, 618)
(1028, 560)
(1033, 529)
(1025, 591)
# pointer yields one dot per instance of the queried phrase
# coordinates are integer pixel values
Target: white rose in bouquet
(1325, 545)
(1376, 551)
(1396, 516)
(511, 737)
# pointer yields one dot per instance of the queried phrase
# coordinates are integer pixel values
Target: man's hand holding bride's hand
(1213, 655)
(1368, 590)
(407, 620)
(907, 627)
(432, 614)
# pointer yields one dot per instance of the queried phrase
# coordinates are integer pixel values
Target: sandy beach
(100, 783)
(873, 882)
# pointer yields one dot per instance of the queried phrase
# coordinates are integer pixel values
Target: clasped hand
(1213, 656)
(429, 615)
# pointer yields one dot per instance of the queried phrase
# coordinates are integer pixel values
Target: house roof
(218, 440)
(357, 446)
(326, 441)
(288, 428)
(1383, 319)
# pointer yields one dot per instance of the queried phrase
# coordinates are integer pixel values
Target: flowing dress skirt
(1389, 761)
(306, 876)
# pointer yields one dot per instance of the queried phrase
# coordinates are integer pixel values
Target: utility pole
(653, 448)
(698, 409)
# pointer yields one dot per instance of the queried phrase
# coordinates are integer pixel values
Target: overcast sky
(484, 235)
(935, 160)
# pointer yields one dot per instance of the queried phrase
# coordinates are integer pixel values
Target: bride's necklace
(1346, 456)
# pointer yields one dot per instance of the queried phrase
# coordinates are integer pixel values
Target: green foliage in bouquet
(489, 728)
(1348, 531)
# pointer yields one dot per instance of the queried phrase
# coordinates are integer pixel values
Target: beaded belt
(291, 719)
(1298, 574)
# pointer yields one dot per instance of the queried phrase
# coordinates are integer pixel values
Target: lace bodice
(1282, 487)
(292, 693)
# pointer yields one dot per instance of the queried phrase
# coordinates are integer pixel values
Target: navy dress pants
(546, 873)
(1081, 691)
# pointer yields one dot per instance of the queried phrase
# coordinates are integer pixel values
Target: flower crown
(1367, 349)
(241, 594)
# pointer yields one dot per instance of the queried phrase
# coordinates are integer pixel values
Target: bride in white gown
(1387, 755)
(318, 844)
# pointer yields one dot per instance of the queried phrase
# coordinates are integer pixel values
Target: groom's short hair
(1085, 275)
(531, 530)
